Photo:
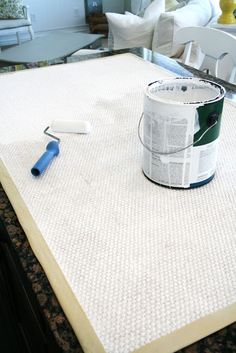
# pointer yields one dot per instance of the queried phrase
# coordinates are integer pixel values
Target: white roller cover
(71, 126)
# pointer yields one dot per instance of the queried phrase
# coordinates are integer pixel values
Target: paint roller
(71, 126)
(52, 148)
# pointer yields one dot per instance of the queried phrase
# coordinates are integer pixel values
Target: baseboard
(80, 28)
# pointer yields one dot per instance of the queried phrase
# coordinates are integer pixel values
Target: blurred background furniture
(17, 25)
(154, 24)
(50, 47)
(214, 45)
(95, 17)
(98, 23)
(158, 22)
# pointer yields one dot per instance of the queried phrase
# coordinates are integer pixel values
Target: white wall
(56, 14)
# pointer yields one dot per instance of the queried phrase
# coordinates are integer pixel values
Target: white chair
(215, 46)
(16, 26)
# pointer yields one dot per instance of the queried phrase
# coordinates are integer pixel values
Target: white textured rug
(136, 267)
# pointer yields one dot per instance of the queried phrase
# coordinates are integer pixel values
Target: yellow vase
(227, 7)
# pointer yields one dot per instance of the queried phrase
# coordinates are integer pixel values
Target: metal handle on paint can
(211, 122)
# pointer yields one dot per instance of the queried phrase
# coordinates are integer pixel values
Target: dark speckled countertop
(223, 341)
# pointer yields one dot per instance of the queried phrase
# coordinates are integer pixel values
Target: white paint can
(181, 125)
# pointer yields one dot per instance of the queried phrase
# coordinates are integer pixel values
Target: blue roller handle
(52, 150)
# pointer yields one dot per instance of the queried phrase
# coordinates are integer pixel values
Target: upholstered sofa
(155, 28)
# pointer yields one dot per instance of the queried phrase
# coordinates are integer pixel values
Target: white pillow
(154, 10)
(195, 13)
(129, 31)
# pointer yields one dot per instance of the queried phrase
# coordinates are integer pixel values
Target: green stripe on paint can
(205, 112)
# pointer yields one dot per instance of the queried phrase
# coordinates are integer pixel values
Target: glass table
(63, 338)
(50, 47)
